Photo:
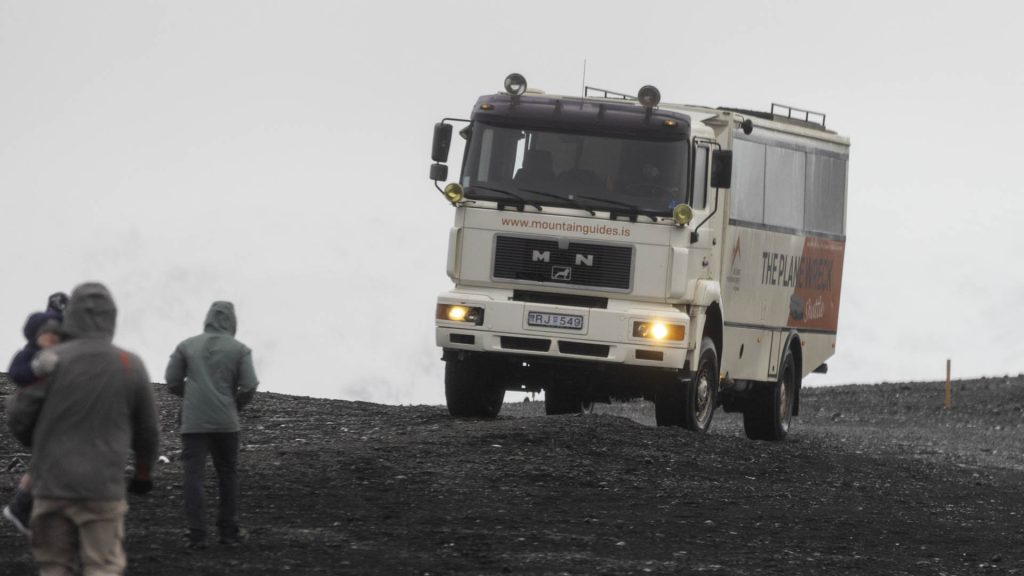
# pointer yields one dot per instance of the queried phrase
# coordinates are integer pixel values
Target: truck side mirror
(442, 142)
(721, 169)
(438, 172)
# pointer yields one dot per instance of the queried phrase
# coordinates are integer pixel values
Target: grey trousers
(223, 447)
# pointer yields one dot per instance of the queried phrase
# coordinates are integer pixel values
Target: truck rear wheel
(474, 387)
(769, 413)
(690, 402)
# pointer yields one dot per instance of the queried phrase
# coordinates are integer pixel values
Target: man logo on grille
(539, 256)
(585, 259)
(563, 273)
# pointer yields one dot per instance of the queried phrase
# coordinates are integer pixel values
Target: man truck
(609, 246)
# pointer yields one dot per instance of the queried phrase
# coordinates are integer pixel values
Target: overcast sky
(276, 153)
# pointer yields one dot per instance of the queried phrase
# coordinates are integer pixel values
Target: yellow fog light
(458, 313)
(658, 331)
(453, 192)
(682, 214)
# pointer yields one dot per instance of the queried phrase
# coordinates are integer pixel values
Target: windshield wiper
(521, 200)
(557, 197)
(635, 210)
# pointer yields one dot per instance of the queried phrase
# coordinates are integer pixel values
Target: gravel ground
(873, 480)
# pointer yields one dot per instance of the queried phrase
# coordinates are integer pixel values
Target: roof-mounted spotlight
(515, 84)
(648, 96)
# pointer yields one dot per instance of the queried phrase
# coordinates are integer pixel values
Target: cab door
(705, 247)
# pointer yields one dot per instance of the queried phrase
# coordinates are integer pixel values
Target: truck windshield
(575, 170)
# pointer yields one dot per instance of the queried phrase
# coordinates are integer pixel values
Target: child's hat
(41, 323)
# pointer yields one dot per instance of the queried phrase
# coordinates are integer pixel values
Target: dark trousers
(223, 447)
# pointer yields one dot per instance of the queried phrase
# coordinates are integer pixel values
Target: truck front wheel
(474, 387)
(690, 402)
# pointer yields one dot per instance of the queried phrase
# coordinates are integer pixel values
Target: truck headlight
(459, 313)
(657, 330)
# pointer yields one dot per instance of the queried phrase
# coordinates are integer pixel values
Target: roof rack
(795, 114)
(607, 93)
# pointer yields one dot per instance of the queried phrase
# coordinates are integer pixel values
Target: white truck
(609, 246)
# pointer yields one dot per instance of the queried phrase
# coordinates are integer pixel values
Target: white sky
(276, 154)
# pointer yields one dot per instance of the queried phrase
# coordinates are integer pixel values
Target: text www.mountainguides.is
(585, 229)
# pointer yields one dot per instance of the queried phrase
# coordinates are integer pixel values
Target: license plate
(568, 321)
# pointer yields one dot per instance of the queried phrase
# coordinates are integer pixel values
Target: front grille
(584, 349)
(531, 344)
(559, 299)
(580, 264)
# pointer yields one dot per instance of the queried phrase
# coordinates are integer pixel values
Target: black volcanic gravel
(873, 480)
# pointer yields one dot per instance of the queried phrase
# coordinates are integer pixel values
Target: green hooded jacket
(213, 372)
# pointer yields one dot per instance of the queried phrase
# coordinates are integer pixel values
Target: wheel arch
(714, 328)
(708, 295)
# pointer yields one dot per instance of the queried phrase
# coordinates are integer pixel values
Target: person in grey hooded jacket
(214, 374)
(95, 407)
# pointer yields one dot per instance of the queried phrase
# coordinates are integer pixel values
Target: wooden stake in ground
(949, 385)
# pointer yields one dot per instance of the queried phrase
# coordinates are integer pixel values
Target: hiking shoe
(20, 523)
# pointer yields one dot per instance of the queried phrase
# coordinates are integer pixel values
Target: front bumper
(606, 334)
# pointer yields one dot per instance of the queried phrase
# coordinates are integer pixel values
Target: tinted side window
(784, 188)
(747, 194)
(826, 194)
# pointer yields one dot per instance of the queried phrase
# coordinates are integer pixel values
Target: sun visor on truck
(583, 116)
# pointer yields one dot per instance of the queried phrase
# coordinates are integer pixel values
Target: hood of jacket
(221, 318)
(91, 313)
(37, 321)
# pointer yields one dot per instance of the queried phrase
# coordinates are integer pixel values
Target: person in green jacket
(214, 374)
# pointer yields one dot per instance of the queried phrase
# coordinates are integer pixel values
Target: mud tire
(690, 402)
(474, 387)
(770, 412)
